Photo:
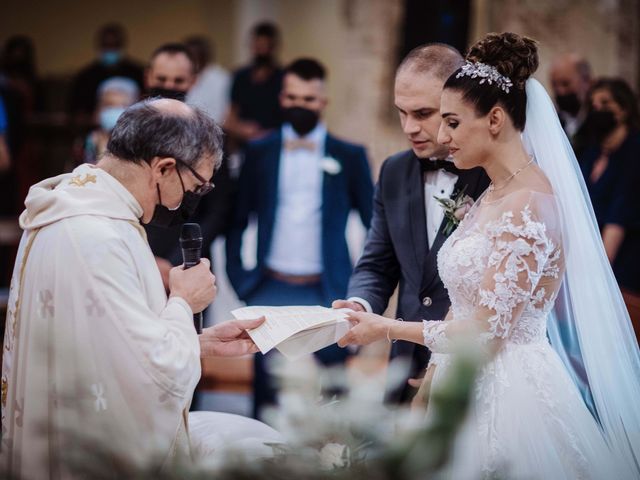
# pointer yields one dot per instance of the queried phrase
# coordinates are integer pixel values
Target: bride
(529, 281)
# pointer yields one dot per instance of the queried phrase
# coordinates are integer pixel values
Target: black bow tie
(428, 165)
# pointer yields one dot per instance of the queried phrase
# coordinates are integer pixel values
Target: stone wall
(606, 32)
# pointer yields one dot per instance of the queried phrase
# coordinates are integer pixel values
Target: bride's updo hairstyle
(514, 57)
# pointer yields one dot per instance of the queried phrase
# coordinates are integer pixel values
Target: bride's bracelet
(389, 331)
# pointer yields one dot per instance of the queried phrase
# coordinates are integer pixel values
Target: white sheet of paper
(282, 323)
(309, 341)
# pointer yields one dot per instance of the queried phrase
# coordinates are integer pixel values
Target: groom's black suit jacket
(397, 252)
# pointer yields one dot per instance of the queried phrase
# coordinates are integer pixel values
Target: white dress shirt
(296, 245)
(438, 183)
(570, 123)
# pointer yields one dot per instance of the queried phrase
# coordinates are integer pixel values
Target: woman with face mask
(114, 95)
(611, 169)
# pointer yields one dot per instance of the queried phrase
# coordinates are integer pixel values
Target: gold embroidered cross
(79, 182)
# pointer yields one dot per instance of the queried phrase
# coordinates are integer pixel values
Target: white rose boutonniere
(455, 209)
(330, 165)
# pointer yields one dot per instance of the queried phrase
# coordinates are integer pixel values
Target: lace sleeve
(522, 273)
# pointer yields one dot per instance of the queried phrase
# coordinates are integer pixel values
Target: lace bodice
(502, 269)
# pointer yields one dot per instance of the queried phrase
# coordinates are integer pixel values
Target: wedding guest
(171, 74)
(18, 67)
(570, 82)
(5, 157)
(6, 252)
(21, 90)
(408, 226)
(212, 87)
(255, 109)
(114, 96)
(300, 182)
(611, 168)
(111, 42)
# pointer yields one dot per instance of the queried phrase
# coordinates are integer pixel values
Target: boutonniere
(455, 209)
(330, 165)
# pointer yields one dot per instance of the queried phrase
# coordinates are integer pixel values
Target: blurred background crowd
(68, 69)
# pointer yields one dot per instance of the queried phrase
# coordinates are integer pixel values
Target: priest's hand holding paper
(196, 285)
(228, 339)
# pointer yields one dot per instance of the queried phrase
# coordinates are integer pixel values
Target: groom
(407, 228)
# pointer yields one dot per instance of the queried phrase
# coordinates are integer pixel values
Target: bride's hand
(367, 328)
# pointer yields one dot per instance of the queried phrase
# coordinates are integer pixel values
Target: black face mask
(164, 217)
(167, 93)
(264, 60)
(600, 123)
(569, 103)
(301, 119)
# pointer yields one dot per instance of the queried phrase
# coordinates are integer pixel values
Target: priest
(96, 356)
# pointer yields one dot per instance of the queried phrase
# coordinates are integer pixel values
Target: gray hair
(144, 132)
(438, 59)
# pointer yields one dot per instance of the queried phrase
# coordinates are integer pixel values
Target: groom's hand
(355, 306)
(229, 339)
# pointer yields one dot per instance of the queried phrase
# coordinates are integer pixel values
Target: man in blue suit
(408, 225)
(300, 183)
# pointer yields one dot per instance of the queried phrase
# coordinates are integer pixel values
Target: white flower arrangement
(335, 455)
(330, 165)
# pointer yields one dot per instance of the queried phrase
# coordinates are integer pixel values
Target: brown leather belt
(294, 279)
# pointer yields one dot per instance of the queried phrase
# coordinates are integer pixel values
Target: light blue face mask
(109, 116)
(110, 57)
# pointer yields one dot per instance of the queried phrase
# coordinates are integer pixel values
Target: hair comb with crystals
(486, 73)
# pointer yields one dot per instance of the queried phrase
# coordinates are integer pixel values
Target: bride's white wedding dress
(503, 268)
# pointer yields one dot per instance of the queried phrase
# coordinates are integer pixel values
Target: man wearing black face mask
(570, 81)
(254, 92)
(301, 183)
(171, 73)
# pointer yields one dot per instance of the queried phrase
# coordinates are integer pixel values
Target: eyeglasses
(202, 189)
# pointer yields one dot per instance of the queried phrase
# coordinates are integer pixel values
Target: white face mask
(109, 116)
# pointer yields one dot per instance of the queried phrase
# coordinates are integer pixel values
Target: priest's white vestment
(93, 351)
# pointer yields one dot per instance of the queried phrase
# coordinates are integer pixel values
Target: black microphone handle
(190, 257)
(191, 250)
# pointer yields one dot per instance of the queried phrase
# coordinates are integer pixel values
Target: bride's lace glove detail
(435, 338)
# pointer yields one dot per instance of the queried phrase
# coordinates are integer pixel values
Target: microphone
(191, 245)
